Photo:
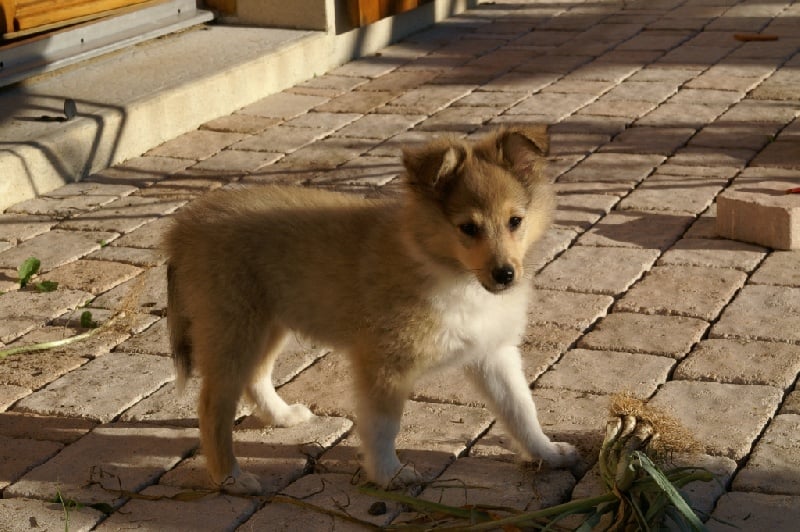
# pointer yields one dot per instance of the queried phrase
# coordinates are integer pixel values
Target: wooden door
(26, 17)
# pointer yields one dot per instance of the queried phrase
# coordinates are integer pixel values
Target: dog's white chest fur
(475, 323)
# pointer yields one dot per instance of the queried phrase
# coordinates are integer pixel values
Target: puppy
(436, 278)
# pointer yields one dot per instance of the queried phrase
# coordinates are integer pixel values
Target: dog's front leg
(501, 379)
(379, 411)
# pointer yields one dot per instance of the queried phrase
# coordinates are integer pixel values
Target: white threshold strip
(61, 48)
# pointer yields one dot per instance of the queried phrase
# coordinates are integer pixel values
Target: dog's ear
(521, 146)
(433, 166)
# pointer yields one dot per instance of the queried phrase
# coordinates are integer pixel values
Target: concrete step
(134, 99)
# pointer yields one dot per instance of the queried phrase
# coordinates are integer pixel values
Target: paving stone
(567, 309)
(781, 153)
(693, 115)
(166, 511)
(92, 276)
(760, 112)
(755, 511)
(483, 98)
(10, 394)
(43, 428)
(426, 99)
(109, 459)
(671, 336)
(196, 145)
(613, 167)
(728, 77)
(190, 183)
(761, 213)
(22, 515)
(480, 481)
(520, 81)
(627, 110)
(742, 362)
(642, 91)
(655, 40)
(339, 84)
(358, 102)
(321, 155)
(551, 106)
(55, 248)
(717, 253)
(229, 162)
(326, 387)
(658, 140)
(543, 345)
(582, 210)
(693, 291)
(398, 80)
(378, 126)
(761, 312)
(140, 171)
(123, 215)
(33, 370)
(287, 516)
(641, 230)
(149, 235)
(714, 414)
(746, 136)
(431, 437)
(679, 195)
(61, 207)
(145, 258)
(153, 341)
(240, 123)
(147, 292)
(596, 270)
(22, 311)
(102, 388)
(601, 372)
(364, 170)
(774, 465)
(18, 456)
(280, 139)
(457, 119)
(780, 268)
(283, 105)
(278, 456)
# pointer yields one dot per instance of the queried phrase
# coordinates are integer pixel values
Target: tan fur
(398, 285)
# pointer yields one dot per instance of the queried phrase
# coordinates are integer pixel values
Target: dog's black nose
(503, 275)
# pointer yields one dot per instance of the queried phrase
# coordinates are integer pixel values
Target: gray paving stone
(780, 268)
(192, 182)
(742, 362)
(714, 253)
(552, 106)
(641, 230)
(146, 292)
(457, 120)
(230, 162)
(240, 123)
(55, 248)
(746, 136)
(671, 336)
(693, 291)
(481, 481)
(613, 167)
(364, 170)
(379, 126)
(196, 145)
(567, 309)
(60, 207)
(164, 510)
(581, 211)
(715, 414)
(679, 195)
(145, 258)
(92, 276)
(283, 105)
(658, 140)
(431, 437)
(101, 389)
(22, 515)
(755, 511)
(123, 215)
(148, 236)
(597, 270)
(22, 311)
(10, 394)
(326, 387)
(18, 456)
(605, 372)
(43, 428)
(109, 458)
(358, 102)
(286, 516)
(140, 171)
(278, 456)
(153, 341)
(31, 371)
(761, 312)
(774, 465)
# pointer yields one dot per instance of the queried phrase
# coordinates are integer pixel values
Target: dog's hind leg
(502, 381)
(271, 407)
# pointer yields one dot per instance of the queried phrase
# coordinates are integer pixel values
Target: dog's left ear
(523, 149)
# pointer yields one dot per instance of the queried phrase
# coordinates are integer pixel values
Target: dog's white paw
(561, 455)
(242, 484)
(405, 476)
(292, 415)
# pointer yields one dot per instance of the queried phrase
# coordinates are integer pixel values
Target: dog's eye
(514, 222)
(469, 229)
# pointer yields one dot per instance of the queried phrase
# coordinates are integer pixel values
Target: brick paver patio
(656, 106)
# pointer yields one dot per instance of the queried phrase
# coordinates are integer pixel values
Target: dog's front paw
(405, 476)
(292, 415)
(242, 484)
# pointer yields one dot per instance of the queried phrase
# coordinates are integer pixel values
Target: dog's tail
(178, 325)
